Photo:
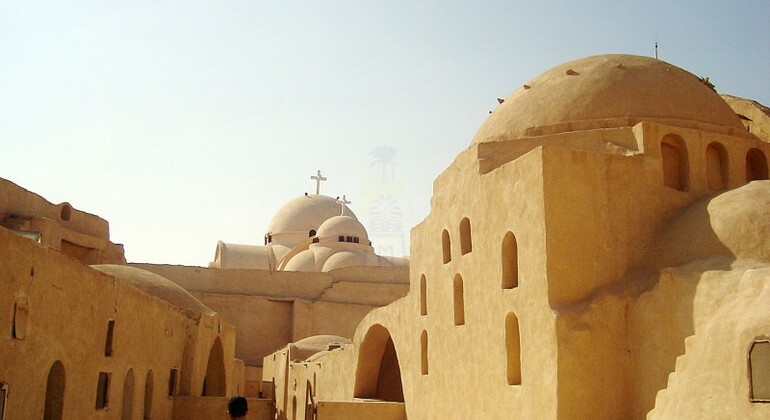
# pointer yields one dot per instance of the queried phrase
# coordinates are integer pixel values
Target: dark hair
(237, 406)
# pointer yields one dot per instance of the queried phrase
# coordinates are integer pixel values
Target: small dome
(306, 212)
(734, 224)
(304, 261)
(155, 285)
(343, 226)
(605, 91)
(344, 259)
(309, 346)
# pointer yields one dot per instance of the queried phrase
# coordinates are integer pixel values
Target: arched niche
(127, 409)
(756, 165)
(512, 349)
(424, 352)
(459, 300)
(378, 374)
(466, 241)
(214, 383)
(676, 170)
(423, 296)
(717, 169)
(54, 392)
(148, 391)
(446, 246)
(509, 255)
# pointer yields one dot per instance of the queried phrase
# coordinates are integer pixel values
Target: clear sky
(187, 122)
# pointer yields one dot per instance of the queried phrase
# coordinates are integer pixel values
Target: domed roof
(605, 91)
(342, 226)
(344, 259)
(733, 224)
(155, 285)
(305, 213)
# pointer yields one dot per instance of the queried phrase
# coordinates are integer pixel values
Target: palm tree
(383, 155)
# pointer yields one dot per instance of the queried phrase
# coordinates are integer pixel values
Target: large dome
(306, 212)
(155, 285)
(606, 91)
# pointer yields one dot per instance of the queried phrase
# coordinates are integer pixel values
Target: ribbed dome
(155, 285)
(306, 212)
(605, 91)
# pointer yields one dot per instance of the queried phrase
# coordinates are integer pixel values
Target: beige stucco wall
(215, 408)
(69, 306)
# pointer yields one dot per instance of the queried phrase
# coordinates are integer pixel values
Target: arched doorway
(54, 392)
(673, 152)
(148, 388)
(214, 383)
(378, 374)
(127, 411)
(756, 165)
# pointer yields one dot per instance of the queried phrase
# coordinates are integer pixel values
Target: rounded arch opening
(466, 241)
(378, 374)
(148, 390)
(424, 352)
(446, 246)
(717, 170)
(756, 165)
(673, 153)
(127, 409)
(513, 349)
(54, 392)
(510, 261)
(214, 383)
(423, 296)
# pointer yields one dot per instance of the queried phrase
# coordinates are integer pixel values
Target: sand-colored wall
(69, 305)
(346, 410)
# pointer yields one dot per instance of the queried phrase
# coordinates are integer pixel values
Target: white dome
(343, 226)
(306, 213)
(344, 259)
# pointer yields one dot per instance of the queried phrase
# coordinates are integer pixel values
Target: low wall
(357, 410)
(215, 408)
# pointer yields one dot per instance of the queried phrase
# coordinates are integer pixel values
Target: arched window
(513, 349)
(148, 389)
(673, 153)
(717, 171)
(756, 165)
(423, 296)
(466, 243)
(446, 246)
(66, 212)
(510, 261)
(173, 373)
(342, 238)
(127, 410)
(54, 392)
(459, 301)
(311, 233)
(424, 352)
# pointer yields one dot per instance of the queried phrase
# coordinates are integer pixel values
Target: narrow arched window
(513, 349)
(54, 392)
(756, 165)
(673, 153)
(423, 296)
(341, 238)
(459, 301)
(717, 171)
(466, 243)
(510, 261)
(311, 233)
(446, 246)
(424, 352)
(103, 391)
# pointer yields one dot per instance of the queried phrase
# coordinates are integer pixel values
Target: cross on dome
(318, 178)
(343, 202)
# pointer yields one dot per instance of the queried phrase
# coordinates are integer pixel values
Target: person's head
(237, 407)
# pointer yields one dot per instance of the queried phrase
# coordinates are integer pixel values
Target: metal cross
(318, 178)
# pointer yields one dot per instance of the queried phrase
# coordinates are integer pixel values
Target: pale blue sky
(187, 122)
